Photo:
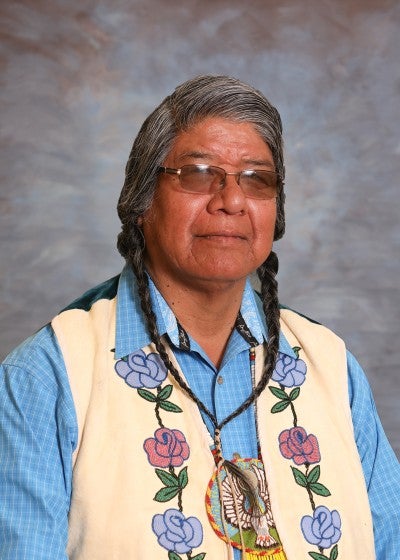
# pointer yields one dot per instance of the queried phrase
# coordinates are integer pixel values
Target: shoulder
(106, 290)
(38, 357)
(34, 384)
(317, 336)
(288, 311)
(79, 324)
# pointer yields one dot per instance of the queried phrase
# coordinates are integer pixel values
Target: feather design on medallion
(246, 501)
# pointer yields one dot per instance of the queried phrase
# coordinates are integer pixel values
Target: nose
(230, 198)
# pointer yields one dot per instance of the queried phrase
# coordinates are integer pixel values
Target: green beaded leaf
(199, 556)
(296, 350)
(294, 394)
(166, 494)
(173, 556)
(299, 477)
(147, 395)
(334, 553)
(319, 489)
(280, 393)
(278, 407)
(165, 393)
(169, 406)
(314, 474)
(183, 478)
(167, 478)
(318, 556)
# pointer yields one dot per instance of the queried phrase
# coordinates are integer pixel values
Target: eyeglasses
(209, 179)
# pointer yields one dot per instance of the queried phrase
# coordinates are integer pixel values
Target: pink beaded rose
(297, 445)
(168, 448)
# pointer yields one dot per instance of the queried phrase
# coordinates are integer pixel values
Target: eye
(259, 183)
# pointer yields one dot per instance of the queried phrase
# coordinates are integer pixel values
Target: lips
(224, 234)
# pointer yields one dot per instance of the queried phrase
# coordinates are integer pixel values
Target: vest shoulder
(298, 314)
(105, 290)
(302, 326)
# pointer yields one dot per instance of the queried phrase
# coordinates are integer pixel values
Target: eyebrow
(195, 154)
(205, 155)
(260, 163)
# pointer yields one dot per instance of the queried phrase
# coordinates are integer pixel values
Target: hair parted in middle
(190, 103)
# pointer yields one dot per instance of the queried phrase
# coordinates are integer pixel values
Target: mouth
(223, 236)
(228, 234)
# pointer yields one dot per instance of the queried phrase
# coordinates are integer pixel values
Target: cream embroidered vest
(315, 480)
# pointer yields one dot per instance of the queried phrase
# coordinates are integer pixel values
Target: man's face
(199, 239)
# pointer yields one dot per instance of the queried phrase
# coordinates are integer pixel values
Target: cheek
(264, 223)
(169, 224)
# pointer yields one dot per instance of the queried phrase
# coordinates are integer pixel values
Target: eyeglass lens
(208, 179)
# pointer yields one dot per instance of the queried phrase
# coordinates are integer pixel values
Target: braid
(269, 293)
(136, 260)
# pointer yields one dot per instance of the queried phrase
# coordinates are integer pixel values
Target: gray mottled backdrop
(78, 79)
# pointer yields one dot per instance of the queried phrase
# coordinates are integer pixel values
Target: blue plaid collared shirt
(38, 427)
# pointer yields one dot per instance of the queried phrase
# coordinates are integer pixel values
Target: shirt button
(220, 379)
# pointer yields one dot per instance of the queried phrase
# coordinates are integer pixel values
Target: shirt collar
(131, 331)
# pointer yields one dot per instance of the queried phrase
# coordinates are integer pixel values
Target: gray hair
(205, 96)
(191, 102)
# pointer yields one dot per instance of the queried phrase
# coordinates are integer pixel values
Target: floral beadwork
(166, 450)
(297, 445)
(289, 372)
(140, 370)
(177, 533)
(323, 527)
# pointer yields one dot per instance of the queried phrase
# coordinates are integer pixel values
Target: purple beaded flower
(323, 528)
(176, 532)
(140, 370)
(289, 372)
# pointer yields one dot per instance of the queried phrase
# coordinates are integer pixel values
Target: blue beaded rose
(289, 372)
(176, 532)
(140, 370)
(323, 528)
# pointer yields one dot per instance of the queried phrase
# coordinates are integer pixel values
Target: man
(172, 412)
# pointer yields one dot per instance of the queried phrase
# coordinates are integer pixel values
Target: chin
(230, 269)
(224, 275)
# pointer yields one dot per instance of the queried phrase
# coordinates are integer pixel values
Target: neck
(207, 313)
